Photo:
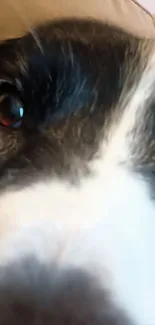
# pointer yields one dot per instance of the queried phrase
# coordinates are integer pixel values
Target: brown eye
(11, 111)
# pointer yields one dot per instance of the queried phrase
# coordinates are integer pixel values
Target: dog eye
(11, 111)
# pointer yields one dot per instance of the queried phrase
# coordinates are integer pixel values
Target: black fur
(74, 64)
(70, 79)
(33, 294)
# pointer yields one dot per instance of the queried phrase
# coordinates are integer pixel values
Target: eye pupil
(11, 111)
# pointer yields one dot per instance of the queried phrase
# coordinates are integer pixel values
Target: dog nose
(35, 294)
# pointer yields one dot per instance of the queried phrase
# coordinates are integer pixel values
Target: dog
(77, 173)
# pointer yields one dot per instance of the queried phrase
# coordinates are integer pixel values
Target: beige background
(17, 16)
(149, 4)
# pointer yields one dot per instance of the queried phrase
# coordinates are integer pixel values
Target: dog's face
(77, 166)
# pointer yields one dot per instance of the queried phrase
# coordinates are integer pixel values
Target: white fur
(106, 225)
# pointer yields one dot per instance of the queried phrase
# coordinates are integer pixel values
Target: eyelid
(5, 81)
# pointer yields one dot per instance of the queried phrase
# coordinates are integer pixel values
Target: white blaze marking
(106, 225)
